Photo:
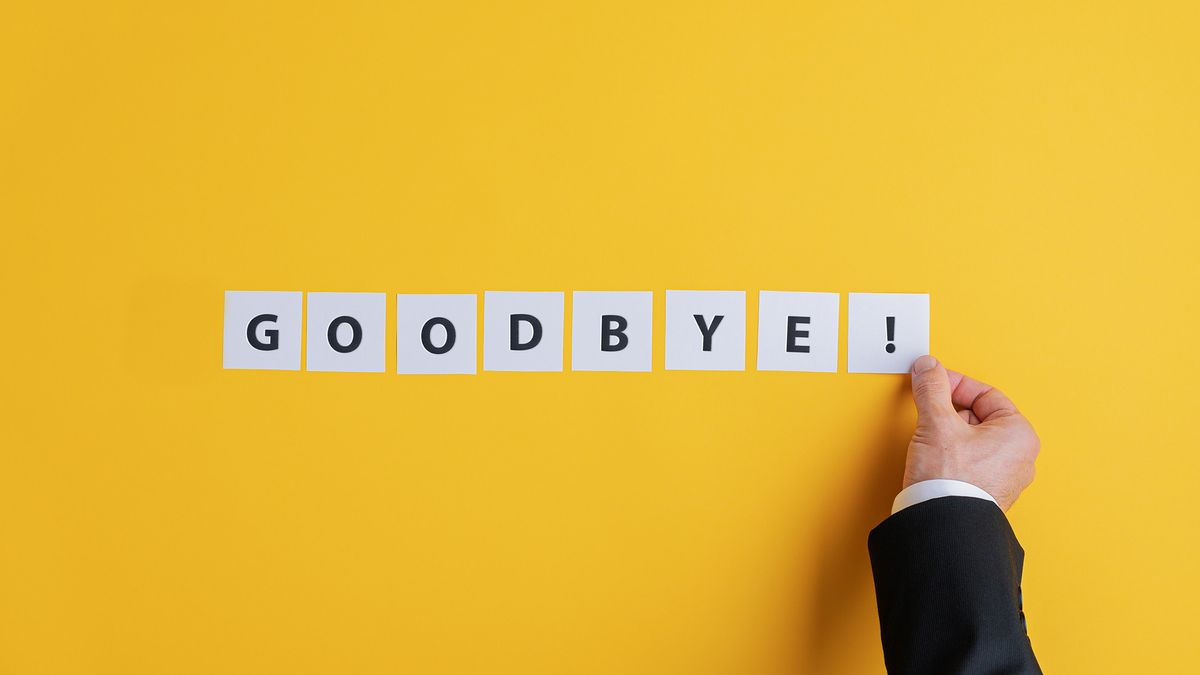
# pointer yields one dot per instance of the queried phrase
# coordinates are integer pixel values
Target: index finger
(982, 399)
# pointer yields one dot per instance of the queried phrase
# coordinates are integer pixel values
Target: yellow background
(1032, 165)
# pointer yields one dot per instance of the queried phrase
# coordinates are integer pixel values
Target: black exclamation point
(891, 334)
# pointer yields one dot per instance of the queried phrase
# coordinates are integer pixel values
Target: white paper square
(868, 343)
(798, 331)
(685, 339)
(275, 316)
(351, 316)
(422, 319)
(499, 308)
(612, 330)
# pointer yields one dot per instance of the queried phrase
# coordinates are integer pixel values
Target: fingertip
(923, 364)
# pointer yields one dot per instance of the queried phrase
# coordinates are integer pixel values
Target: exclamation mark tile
(886, 331)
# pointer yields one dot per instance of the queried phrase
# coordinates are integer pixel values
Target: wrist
(925, 490)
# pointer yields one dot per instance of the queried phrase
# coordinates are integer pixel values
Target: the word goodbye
(610, 331)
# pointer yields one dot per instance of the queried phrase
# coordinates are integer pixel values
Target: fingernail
(924, 363)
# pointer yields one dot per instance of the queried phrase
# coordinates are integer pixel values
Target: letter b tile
(612, 330)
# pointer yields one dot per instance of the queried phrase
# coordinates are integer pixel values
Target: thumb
(931, 390)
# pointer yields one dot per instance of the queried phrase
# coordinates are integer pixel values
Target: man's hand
(968, 431)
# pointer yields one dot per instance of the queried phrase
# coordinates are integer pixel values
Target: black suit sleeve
(948, 585)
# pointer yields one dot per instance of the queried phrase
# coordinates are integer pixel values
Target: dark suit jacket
(948, 586)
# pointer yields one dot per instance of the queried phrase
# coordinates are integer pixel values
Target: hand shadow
(834, 599)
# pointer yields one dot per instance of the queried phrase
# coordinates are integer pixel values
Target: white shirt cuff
(932, 489)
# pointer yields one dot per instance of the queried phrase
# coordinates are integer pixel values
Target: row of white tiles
(610, 331)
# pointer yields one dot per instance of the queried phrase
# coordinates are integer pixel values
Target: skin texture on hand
(968, 431)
